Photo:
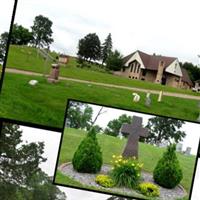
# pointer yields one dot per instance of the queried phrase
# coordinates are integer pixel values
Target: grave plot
(124, 165)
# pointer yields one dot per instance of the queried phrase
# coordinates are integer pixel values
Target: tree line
(91, 50)
(161, 129)
(40, 35)
(193, 70)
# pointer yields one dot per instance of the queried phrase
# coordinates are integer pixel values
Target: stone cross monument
(134, 132)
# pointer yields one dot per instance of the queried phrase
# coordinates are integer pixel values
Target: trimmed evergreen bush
(88, 156)
(168, 172)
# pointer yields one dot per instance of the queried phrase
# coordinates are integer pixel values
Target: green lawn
(148, 154)
(46, 103)
(19, 58)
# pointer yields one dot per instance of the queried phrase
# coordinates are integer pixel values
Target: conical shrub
(168, 172)
(88, 156)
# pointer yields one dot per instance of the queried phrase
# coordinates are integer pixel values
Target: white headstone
(136, 97)
(120, 136)
(32, 82)
(179, 147)
(160, 96)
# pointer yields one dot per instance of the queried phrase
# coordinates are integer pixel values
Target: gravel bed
(89, 179)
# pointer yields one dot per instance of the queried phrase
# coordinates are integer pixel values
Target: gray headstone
(198, 119)
(134, 131)
(163, 144)
(148, 100)
(188, 151)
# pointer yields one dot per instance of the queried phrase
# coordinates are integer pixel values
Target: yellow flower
(141, 165)
(114, 156)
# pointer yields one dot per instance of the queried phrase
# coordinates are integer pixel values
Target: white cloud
(164, 27)
(5, 14)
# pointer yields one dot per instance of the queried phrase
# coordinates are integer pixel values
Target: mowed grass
(148, 154)
(26, 58)
(45, 103)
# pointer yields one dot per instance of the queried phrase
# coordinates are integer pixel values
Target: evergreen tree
(114, 61)
(168, 172)
(106, 48)
(88, 156)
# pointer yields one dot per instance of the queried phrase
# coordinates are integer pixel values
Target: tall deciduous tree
(163, 129)
(42, 31)
(106, 48)
(79, 115)
(20, 174)
(113, 126)
(114, 61)
(89, 47)
(20, 35)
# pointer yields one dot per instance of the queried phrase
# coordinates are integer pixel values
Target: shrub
(105, 181)
(88, 156)
(149, 189)
(168, 172)
(126, 172)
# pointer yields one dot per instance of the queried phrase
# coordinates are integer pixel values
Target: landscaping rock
(89, 180)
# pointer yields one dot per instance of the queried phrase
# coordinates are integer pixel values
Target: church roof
(151, 62)
(186, 77)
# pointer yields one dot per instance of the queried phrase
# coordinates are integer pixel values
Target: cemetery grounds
(45, 103)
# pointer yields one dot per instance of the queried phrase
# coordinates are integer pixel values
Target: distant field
(46, 103)
(26, 58)
(148, 154)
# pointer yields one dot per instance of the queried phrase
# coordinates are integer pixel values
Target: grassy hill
(26, 58)
(46, 103)
(148, 154)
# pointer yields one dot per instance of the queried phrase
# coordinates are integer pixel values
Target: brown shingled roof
(151, 61)
(186, 77)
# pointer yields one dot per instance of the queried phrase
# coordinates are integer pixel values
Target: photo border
(108, 193)
(8, 44)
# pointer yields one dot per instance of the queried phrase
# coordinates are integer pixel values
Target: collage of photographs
(99, 100)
